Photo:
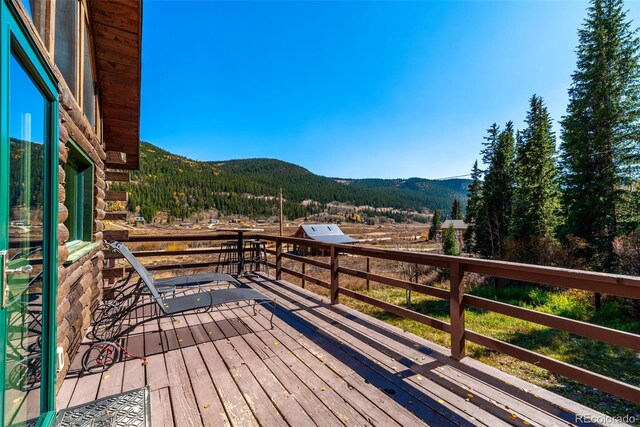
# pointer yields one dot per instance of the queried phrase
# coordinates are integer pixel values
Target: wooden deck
(320, 365)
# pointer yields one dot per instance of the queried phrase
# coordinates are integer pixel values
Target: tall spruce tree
(483, 231)
(494, 217)
(436, 222)
(456, 209)
(536, 194)
(601, 131)
(474, 204)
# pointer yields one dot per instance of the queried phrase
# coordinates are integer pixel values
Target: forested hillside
(183, 187)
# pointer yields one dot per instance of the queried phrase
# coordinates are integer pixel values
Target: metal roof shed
(325, 233)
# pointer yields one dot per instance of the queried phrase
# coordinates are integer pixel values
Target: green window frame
(79, 185)
(14, 37)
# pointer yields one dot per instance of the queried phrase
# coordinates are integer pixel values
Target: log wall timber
(80, 283)
(117, 176)
(115, 159)
(116, 216)
(112, 196)
(119, 235)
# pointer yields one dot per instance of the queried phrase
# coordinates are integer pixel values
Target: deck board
(393, 356)
(319, 365)
(183, 401)
(230, 395)
(207, 399)
(161, 415)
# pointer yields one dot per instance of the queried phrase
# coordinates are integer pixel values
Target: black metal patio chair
(178, 281)
(123, 289)
(114, 320)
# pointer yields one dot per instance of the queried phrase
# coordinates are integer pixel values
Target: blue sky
(352, 89)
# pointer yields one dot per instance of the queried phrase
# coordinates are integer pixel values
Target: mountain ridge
(183, 187)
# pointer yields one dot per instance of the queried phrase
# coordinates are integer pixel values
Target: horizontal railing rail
(611, 284)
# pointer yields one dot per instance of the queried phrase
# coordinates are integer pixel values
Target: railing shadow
(380, 378)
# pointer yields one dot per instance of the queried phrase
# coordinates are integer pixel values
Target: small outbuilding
(325, 233)
(459, 227)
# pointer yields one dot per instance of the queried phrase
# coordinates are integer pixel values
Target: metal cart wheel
(25, 375)
(104, 310)
(100, 356)
(104, 329)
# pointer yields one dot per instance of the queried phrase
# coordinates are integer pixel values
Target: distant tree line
(181, 187)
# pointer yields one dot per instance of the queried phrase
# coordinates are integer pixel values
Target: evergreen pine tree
(449, 242)
(493, 218)
(436, 222)
(456, 209)
(474, 204)
(536, 194)
(601, 131)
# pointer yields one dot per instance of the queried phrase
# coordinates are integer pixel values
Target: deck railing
(611, 284)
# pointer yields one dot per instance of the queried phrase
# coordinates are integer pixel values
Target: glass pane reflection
(27, 134)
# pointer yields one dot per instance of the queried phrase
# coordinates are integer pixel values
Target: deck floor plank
(161, 415)
(111, 382)
(472, 389)
(86, 389)
(286, 403)
(209, 404)
(372, 373)
(156, 371)
(233, 401)
(346, 413)
(262, 407)
(362, 402)
(438, 397)
(318, 365)
(183, 401)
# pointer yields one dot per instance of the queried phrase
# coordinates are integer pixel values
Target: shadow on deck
(319, 365)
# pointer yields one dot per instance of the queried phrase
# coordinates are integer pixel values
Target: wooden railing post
(456, 311)
(335, 292)
(303, 272)
(368, 270)
(278, 259)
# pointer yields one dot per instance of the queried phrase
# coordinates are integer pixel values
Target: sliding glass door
(28, 244)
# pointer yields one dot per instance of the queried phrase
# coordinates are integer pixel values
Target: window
(79, 195)
(37, 11)
(88, 85)
(66, 42)
(29, 138)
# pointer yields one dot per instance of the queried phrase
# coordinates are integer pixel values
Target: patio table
(240, 231)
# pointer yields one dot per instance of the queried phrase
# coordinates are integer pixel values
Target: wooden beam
(116, 216)
(335, 285)
(115, 158)
(117, 176)
(119, 235)
(456, 311)
(116, 196)
(112, 273)
(278, 259)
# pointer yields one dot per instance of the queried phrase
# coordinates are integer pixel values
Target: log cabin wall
(80, 279)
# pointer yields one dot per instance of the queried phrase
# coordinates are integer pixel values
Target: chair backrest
(144, 274)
